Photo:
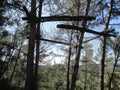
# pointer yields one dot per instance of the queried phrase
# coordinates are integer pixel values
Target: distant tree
(114, 44)
(52, 77)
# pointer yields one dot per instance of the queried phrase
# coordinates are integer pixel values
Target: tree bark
(103, 64)
(104, 48)
(31, 46)
(38, 36)
(113, 71)
(68, 64)
(76, 66)
(16, 61)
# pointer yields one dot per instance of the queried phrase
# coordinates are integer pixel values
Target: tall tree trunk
(31, 46)
(37, 46)
(76, 66)
(103, 63)
(68, 64)
(113, 71)
(68, 69)
(16, 61)
(104, 48)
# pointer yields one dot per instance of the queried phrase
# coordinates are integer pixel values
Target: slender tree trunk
(31, 46)
(104, 48)
(113, 71)
(103, 64)
(68, 69)
(37, 47)
(116, 57)
(68, 64)
(16, 61)
(76, 66)
(8, 57)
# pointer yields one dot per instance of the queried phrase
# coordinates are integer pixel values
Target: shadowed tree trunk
(103, 64)
(76, 66)
(104, 48)
(37, 47)
(31, 46)
(68, 64)
(117, 55)
(16, 62)
(113, 71)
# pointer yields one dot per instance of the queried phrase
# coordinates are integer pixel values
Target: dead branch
(60, 18)
(53, 41)
(86, 30)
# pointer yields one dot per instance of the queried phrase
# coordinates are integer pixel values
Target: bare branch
(86, 30)
(60, 18)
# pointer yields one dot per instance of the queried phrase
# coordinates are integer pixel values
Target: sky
(50, 29)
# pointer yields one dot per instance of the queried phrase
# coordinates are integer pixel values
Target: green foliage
(52, 77)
